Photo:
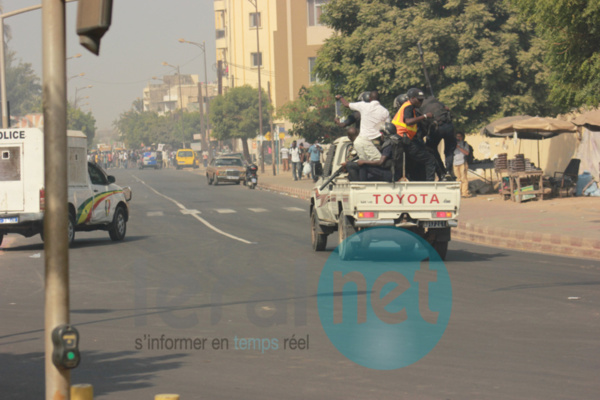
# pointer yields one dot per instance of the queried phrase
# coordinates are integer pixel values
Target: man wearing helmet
(408, 125)
(372, 116)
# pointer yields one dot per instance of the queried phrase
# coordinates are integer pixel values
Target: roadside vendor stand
(523, 183)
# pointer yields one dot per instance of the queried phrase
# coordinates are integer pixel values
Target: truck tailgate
(418, 199)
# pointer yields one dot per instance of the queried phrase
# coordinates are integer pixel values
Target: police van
(95, 201)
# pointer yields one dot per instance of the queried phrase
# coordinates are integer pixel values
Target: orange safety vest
(401, 128)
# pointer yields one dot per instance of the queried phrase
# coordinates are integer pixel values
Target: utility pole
(273, 149)
(56, 216)
(258, 63)
(220, 77)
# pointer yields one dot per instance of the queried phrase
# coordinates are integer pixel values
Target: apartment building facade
(289, 36)
(173, 92)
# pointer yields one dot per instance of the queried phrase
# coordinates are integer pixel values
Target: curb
(532, 242)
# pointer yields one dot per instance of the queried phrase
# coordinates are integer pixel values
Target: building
(289, 36)
(164, 97)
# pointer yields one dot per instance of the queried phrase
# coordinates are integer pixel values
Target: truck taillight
(42, 199)
(442, 214)
(366, 214)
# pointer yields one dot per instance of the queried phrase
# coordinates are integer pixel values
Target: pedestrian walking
(461, 167)
(296, 157)
(314, 153)
(285, 158)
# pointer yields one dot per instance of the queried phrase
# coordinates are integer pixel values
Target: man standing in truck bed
(407, 122)
(372, 117)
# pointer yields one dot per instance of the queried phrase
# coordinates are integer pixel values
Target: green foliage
(482, 61)
(148, 127)
(312, 114)
(235, 114)
(23, 88)
(572, 42)
(81, 121)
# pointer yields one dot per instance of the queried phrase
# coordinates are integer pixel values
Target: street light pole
(3, 99)
(77, 90)
(205, 138)
(259, 62)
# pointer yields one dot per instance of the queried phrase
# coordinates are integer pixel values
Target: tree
(312, 114)
(483, 62)
(572, 43)
(147, 127)
(235, 115)
(23, 88)
(81, 121)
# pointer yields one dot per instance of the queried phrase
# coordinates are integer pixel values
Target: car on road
(151, 159)
(225, 169)
(186, 158)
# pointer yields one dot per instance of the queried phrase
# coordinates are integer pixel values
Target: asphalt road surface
(218, 265)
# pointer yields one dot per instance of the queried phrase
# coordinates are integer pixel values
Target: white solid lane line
(194, 214)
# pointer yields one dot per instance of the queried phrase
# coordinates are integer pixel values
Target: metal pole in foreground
(56, 247)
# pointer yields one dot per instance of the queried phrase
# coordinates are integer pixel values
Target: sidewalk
(560, 226)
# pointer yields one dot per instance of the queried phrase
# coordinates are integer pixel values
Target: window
(256, 59)
(254, 20)
(315, 8)
(312, 76)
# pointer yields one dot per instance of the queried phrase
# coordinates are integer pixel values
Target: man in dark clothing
(379, 170)
(439, 128)
(408, 123)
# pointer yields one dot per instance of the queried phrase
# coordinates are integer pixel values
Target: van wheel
(1, 237)
(70, 229)
(345, 230)
(319, 239)
(118, 228)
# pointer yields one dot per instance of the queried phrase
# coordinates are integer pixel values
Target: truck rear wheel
(1, 237)
(441, 248)
(319, 239)
(118, 227)
(345, 230)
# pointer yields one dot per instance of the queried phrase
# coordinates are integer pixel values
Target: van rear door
(11, 178)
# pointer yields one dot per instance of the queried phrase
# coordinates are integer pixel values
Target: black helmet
(389, 129)
(364, 96)
(401, 99)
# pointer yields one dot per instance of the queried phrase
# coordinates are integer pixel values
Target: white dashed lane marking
(294, 209)
(155, 214)
(225, 211)
(258, 210)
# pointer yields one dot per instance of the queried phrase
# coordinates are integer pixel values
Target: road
(227, 262)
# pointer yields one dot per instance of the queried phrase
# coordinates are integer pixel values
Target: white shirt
(295, 152)
(285, 153)
(372, 117)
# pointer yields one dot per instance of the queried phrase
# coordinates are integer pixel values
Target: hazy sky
(143, 34)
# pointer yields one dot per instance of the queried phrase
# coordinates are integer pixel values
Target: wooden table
(516, 190)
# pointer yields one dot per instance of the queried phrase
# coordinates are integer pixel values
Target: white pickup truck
(428, 209)
(95, 202)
